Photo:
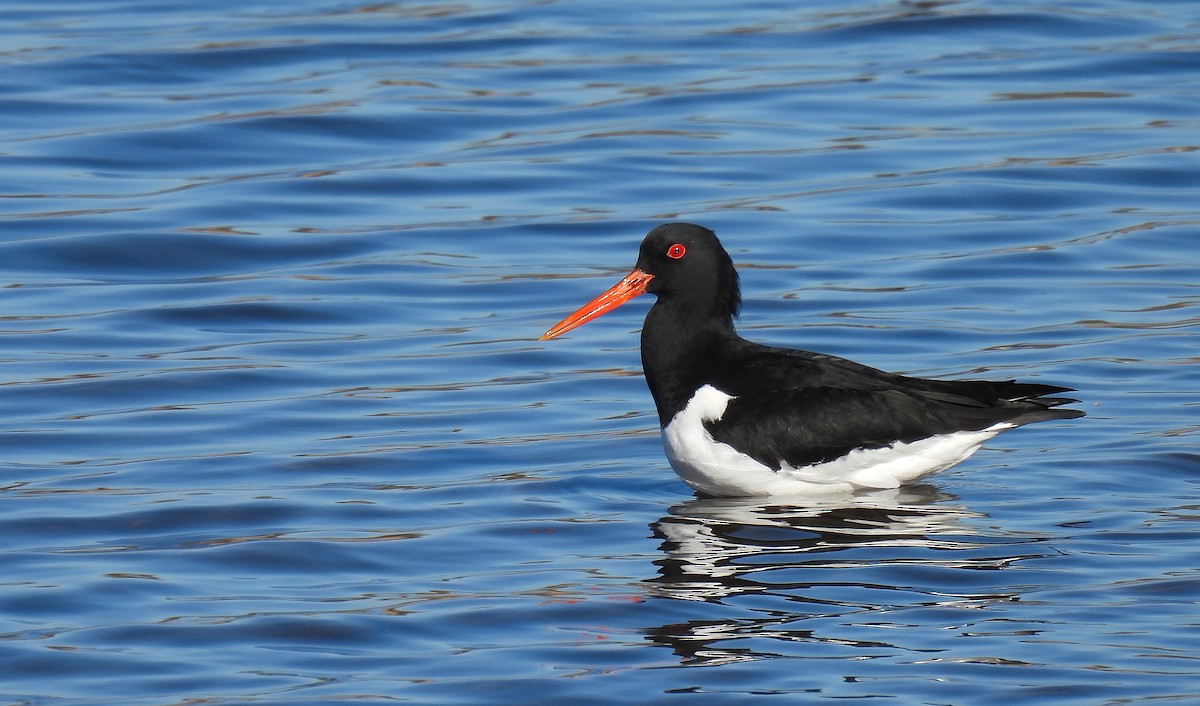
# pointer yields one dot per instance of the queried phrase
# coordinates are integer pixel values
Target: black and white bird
(743, 419)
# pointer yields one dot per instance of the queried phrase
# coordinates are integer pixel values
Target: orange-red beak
(634, 284)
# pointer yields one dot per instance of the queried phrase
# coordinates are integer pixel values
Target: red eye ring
(676, 251)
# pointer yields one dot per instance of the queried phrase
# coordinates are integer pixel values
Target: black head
(685, 265)
(690, 269)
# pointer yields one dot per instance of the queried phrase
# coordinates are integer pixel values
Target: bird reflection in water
(814, 573)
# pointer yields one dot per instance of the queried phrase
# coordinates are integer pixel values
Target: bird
(744, 419)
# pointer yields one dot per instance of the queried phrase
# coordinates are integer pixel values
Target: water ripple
(277, 427)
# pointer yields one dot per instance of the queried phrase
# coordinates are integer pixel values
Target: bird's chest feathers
(685, 437)
(703, 463)
(707, 405)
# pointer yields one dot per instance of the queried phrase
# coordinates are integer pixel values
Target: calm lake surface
(276, 427)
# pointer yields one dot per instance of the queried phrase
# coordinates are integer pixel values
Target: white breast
(717, 469)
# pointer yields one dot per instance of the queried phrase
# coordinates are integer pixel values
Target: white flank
(717, 469)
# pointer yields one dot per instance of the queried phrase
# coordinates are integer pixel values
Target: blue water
(276, 428)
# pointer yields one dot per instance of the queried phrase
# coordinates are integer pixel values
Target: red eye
(676, 251)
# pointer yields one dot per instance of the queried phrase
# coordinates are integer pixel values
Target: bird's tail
(1041, 402)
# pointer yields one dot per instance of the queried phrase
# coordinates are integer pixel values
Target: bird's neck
(681, 350)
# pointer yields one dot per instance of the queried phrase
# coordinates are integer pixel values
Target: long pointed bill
(634, 284)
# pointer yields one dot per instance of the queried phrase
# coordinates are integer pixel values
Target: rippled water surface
(276, 427)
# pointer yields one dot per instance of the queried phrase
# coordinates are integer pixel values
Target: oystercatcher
(743, 419)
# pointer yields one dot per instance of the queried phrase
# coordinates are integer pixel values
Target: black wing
(817, 424)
